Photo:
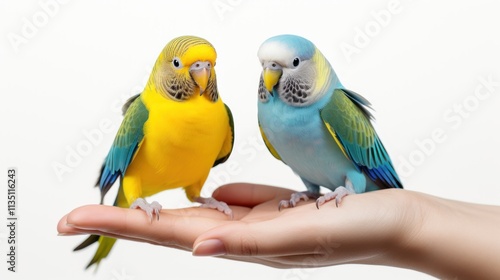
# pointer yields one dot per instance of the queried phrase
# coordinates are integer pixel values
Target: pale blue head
(293, 68)
(283, 47)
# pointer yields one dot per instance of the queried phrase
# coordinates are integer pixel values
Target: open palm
(364, 226)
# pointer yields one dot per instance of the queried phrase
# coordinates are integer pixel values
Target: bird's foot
(337, 194)
(212, 203)
(295, 198)
(151, 209)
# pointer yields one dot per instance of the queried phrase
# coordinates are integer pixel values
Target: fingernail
(209, 248)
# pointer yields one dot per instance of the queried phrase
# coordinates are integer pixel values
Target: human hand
(365, 228)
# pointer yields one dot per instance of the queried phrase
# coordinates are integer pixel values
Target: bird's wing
(348, 120)
(126, 143)
(227, 148)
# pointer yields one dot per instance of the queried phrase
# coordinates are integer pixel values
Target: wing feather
(127, 141)
(348, 120)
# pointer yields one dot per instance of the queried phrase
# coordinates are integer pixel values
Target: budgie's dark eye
(296, 62)
(176, 63)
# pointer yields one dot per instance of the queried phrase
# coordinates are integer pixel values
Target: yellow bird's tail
(105, 246)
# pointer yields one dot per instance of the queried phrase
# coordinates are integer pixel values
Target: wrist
(449, 239)
(419, 219)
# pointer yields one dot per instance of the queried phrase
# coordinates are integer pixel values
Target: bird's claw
(284, 204)
(212, 203)
(294, 199)
(151, 209)
(337, 194)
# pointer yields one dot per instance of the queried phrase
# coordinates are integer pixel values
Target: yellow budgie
(171, 135)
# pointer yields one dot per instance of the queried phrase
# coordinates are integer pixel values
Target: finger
(169, 230)
(238, 213)
(249, 195)
(63, 228)
(121, 236)
(112, 235)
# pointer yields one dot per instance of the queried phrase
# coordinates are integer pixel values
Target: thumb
(233, 239)
(253, 239)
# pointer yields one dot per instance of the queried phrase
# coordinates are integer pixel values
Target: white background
(67, 67)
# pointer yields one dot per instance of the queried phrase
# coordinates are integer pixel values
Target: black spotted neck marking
(178, 89)
(263, 93)
(295, 92)
(212, 91)
(181, 91)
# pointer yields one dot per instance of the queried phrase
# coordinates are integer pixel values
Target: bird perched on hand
(320, 129)
(171, 135)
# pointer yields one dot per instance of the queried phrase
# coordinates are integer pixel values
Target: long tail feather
(105, 246)
(87, 242)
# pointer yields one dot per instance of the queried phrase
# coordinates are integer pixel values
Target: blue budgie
(320, 129)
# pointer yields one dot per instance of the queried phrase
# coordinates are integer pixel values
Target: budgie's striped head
(185, 67)
(294, 69)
